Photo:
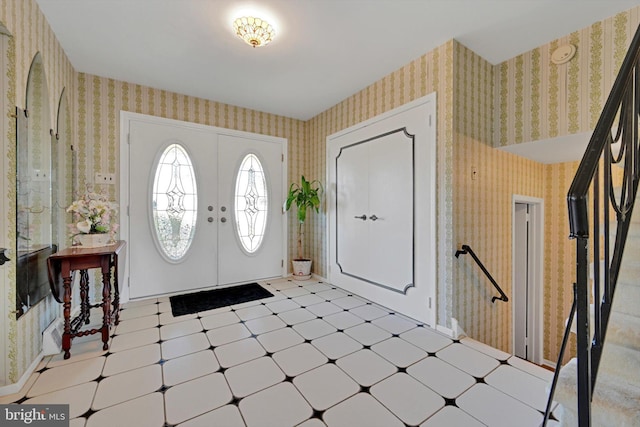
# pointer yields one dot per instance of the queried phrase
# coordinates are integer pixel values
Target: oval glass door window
(251, 203)
(174, 202)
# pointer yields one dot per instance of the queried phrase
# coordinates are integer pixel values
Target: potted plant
(97, 226)
(305, 195)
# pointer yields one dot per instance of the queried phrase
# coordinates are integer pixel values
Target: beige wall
(479, 106)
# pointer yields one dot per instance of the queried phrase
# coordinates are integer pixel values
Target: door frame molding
(536, 274)
(126, 117)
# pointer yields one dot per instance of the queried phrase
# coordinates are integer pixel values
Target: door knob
(223, 208)
(373, 217)
(210, 219)
(209, 208)
(223, 219)
(362, 217)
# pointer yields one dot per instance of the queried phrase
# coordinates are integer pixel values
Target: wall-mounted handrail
(467, 250)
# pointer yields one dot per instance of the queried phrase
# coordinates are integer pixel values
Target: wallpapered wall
(432, 72)
(30, 33)
(525, 98)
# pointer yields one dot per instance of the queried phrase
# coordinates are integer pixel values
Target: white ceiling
(324, 50)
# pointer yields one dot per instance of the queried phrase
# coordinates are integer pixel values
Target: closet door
(381, 209)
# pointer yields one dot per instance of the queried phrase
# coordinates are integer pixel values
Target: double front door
(205, 206)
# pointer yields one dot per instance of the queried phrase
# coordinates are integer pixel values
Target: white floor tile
(284, 284)
(394, 324)
(317, 287)
(77, 422)
(301, 358)
(141, 311)
(427, 339)
(336, 345)
(164, 307)
(253, 376)
(253, 312)
(325, 386)
(307, 300)
(369, 312)
(441, 377)
(467, 359)
(450, 416)
(516, 383)
(314, 329)
(189, 367)
(184, 345)
(360, 410)
(78, 398)
(168, 318)
(366, 367)
(14, 397)
(530, 368)
(219, 319)
(312, 422)
(127, 386)
(239, 352)
(280, 405)
(214, 311)
(137, 324)
(496, 409)
(414, 405)
(79, 351)
(343, 320)
(280, 339)
(298, 315)
(264, 324)
(294, 292)
(180, 329)
(67, 376)
(331, 294)
(367, 334)
(324, 309)
(347, 303)
(399, 352)
(282, 306)
(139, 303)
(227, 416)
(133, 340)
(226, 334)
(134, 358)
(193, 398)
(483, 348)
(146, 411)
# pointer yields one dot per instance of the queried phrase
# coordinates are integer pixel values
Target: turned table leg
(66, 336)
(106, 302)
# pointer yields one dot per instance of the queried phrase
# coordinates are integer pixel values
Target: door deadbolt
(223, 208)
(223, 219)
(209, 208)
(210, 219)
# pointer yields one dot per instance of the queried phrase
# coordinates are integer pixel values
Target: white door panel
(235, 263)
(151, 273)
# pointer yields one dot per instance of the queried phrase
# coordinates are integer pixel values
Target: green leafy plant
(305, 195)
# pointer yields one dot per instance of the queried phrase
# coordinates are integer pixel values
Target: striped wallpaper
(479, 106)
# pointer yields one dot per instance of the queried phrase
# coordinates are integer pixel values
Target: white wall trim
(536, 274)
(16, 387)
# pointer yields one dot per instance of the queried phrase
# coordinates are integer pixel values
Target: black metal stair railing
(616, 130)
(465, 249)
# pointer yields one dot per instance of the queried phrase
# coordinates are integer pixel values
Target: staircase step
(620, 362)
(624, 330)
(614, 403)
(627, 299)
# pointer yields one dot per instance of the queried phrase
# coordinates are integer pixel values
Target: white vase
(95, 240)
(302, 269)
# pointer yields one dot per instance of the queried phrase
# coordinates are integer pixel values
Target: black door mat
(208, 300)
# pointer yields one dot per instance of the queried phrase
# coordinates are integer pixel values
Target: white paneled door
(204, 206)
(381, 209)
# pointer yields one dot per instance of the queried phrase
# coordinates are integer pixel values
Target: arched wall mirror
(63, 180)
(34, 232)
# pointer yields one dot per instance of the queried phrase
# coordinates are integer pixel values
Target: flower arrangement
(96, 212)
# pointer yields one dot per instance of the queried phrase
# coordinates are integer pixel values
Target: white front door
(250, 209)
(184, 213)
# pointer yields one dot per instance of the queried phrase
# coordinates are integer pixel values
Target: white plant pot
(302, 269)
(95, 240)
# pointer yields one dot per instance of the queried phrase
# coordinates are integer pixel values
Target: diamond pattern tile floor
(312, 355)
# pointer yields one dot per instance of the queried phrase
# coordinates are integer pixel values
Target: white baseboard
(15, 387)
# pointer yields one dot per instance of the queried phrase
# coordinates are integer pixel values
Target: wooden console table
(61, 269)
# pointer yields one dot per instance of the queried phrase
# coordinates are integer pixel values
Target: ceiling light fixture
(254, 31)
